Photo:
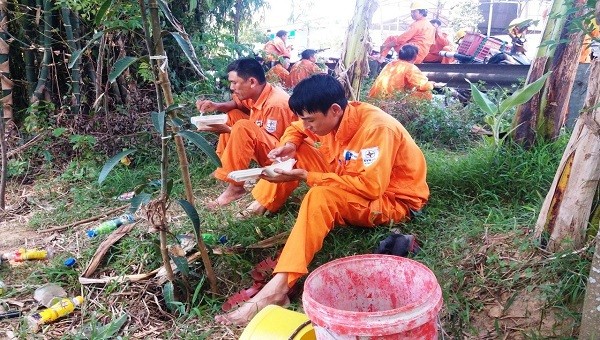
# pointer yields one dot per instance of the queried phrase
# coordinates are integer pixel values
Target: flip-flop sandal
(398, 244)
(237, 299)
(263, 270)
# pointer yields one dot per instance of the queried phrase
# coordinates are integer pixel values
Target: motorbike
(476, 48)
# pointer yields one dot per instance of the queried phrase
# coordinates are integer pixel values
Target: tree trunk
(40, 88)
(568, 205)
(156, 50)
(354, 62)
(29, 52)
(7, 86)
(544, 115)
(75, 101)
(590, 314)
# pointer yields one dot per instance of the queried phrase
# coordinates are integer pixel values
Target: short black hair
(423, 12)
(408, 52)
(306, 54)
(281, 33)
(316, 94)
(435, 22)
(247, 68)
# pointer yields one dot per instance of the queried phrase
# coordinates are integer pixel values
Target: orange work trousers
(244, 143)
(322, 208)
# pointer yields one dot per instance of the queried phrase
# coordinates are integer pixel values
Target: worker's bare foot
(274, 293)
(231, 193)
(254, 209)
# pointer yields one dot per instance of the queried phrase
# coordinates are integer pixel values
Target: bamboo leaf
(169, 295)
(192, 214)
(137, 201)
(181, 263)
(158, 120)
(109, 330)
(120, 66)
(102, 11)
(482, 100)
(164, 7)
(77, 54)
(524, 94)
(110, 164)
(200, 142)
(188, 50)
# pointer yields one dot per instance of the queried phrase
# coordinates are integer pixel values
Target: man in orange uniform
(279, 73)
(258, 114)
(277, 47)
(420, 33)
(594, 33)
(363, 169)
(441, 43)
(401, 76)
(305, 68)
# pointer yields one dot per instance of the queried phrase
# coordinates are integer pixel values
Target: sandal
(263, 270)
(237, 299)
(254, 209)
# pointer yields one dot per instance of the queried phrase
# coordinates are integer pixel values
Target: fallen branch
(105, 246)
(91, 219)
(25, 146)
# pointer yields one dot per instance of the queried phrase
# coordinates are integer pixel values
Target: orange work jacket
(278, 75)
(276, 48)
(370, 154)
(420, 33)
(441, 44)
(401, 76)
(270, 111)
(302, 70)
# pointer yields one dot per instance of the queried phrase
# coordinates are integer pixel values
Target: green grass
(475, 234)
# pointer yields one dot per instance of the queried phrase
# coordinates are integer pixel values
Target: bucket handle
(298, 329)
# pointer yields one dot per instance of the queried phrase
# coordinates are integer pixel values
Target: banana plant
(497, 111)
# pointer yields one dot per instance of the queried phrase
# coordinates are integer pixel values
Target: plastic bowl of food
(209, 119)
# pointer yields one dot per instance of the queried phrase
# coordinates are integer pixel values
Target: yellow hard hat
(418, 5)
(460, 34)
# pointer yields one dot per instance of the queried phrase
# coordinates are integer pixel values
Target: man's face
(321, 124)
(415, 14)
(240, 87)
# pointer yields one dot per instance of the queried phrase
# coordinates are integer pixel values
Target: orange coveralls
(278, 75)
(401, 76)
(276, 48)
(441, 44)
(367, 173)
(253, 136)
(302, 70)
(585, 56)
(420, 33)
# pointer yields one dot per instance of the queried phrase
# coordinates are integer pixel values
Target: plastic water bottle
(212, 239)
(23, 254)
(2, 288)
(110, 225)
(56, 311)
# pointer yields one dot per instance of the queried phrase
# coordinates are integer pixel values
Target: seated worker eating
(363, 169)
(258, 114)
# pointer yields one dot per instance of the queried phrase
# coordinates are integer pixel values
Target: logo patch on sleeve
(370, 155)
(271, 125)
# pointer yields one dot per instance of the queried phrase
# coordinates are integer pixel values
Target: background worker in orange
(277, 47)
(420, 33)
(401, 76)
(594, 33)
(258, 115)
(441, 43)
(279, 74)
(304, 68)
(365, 171)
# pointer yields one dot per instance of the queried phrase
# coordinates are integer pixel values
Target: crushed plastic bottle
(23, 254)
(212, 239)
(56, 311)
(110, 225)
(49, 294)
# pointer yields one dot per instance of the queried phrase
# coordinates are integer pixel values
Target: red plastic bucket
(373, 297)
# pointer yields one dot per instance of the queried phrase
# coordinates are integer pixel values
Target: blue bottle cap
(91, 233)
(70, 262)
(223, 239)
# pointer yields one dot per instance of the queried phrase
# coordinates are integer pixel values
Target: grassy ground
(475, 235)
